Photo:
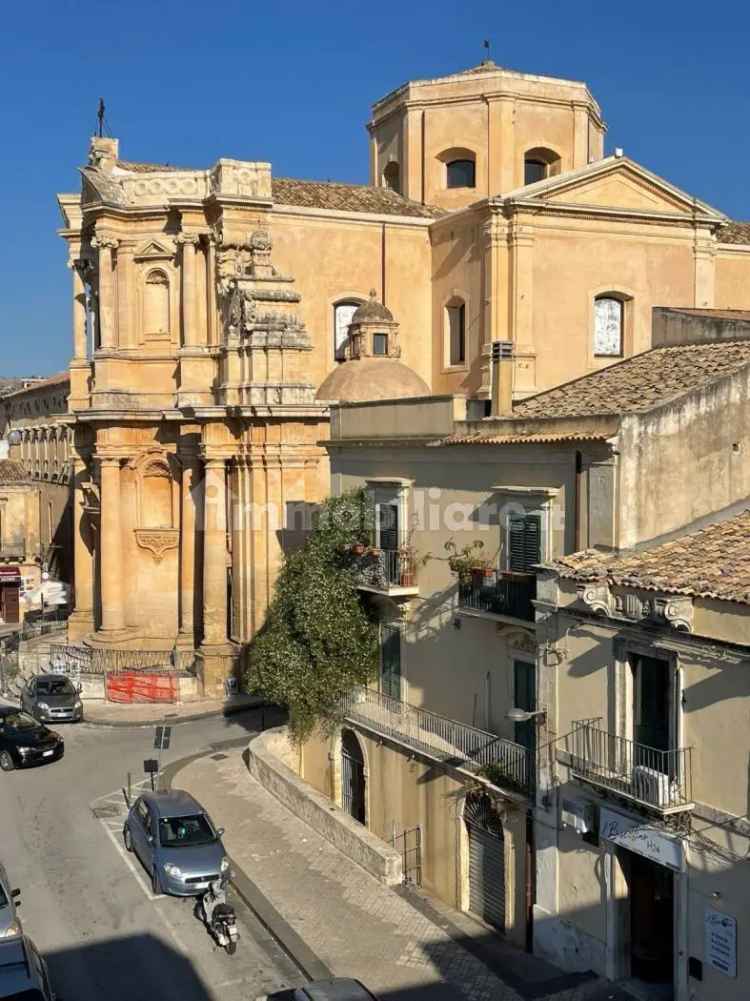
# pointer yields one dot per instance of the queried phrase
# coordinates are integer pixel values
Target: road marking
(120, 848)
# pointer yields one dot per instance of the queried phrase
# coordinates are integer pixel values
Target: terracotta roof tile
(53, 380)
(711, 563)
(735, 232)
(11, 472)
(347, 198)
(519, 439)
(640, 383)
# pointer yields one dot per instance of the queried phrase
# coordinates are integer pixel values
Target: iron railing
(385, 569)
(661, 780)
(439, 737)
(93, 660)
(508, 594)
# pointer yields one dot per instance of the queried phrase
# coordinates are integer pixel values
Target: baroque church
(219, 312)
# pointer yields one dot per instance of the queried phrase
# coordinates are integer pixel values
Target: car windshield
(20, 721)
(177, 832)
(55, 686)
(3, 898)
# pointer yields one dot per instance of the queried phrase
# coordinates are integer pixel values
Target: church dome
(363, 379)
(372, 310)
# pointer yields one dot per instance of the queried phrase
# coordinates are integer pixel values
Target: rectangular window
(524, 542)
(390, 661)
(524, 697)
(651, 704)
(380, 344)
(342, 317)
(457, 334)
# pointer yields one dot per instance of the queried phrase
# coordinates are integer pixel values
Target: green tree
(319, 640)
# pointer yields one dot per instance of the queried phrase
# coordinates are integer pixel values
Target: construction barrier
(129, 686)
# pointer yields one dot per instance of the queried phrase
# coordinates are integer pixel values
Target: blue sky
(186, 82)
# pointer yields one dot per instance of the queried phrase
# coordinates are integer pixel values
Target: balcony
(507, 594)
(659, 780)
(386, 571)
(438, 737)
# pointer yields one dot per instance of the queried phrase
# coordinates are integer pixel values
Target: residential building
(642, 833)
(454, 738)
(211, 305)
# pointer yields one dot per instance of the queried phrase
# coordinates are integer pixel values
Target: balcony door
(524, 697)
(390, 661)
(388, 532)
(524, 542)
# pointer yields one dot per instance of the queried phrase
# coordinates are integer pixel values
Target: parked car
(53, 698)
(10, 925)
(176, 841)
(23, 972)
(338, 989)
(26, 741)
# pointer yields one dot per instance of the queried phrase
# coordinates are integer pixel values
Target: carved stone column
(191, 480)
(113, 611)
(189, 242)
(215, 660)
(107, 313)
(215, 553)
(81, 622)
(80, 347)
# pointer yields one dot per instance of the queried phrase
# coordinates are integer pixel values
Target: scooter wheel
(231, 948)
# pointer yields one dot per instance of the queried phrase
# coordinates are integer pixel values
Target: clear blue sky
(187, 81)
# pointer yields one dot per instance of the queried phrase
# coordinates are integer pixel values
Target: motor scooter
(219, 916)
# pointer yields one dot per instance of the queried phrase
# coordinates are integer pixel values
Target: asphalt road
(88, 905)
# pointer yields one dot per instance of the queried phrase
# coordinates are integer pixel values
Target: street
(88, 905)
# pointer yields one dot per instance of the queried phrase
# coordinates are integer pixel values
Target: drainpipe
(577, 546)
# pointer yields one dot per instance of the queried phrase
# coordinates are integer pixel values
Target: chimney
(103, 152)
(502, 378)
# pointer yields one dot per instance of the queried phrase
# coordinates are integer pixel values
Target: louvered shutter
(525, 541)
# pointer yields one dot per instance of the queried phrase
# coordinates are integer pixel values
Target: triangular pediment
(618, 184)
(153, 251)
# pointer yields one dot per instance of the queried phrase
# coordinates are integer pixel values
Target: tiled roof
(53, 380)
(347, 198)
(711, 563)
(640, 383)
(735, 232)
(518, 439)
(11, 472)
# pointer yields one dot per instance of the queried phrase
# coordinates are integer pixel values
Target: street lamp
(524, 715)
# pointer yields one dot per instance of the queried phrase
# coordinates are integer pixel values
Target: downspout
(577, 503)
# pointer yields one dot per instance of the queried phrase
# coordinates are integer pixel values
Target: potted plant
(467, 563)
(407, 562)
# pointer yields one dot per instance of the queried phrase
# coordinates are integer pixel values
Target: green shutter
(525, 541)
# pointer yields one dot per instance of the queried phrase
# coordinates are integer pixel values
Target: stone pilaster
(190, 503)
(107, 304)
(81, 622)
(111, 564)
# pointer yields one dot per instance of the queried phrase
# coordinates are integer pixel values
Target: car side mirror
(79, 688)
(150, 838)
(15, 893)
(220, 831)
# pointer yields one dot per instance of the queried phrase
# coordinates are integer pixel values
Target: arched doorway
(352, 776)
(486, 860)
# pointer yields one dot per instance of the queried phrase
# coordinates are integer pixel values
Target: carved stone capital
(188, 238)
(675, 611)
(104, 241)
(597, 597)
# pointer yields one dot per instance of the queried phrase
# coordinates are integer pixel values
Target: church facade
(212, 310)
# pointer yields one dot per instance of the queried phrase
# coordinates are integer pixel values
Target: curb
(176, 721)
(311, 966)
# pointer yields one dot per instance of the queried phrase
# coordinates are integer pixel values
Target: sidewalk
(102, 713)
(333, 916)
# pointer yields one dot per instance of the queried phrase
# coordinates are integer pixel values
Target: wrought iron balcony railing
(447, 740)
(660, 780)
(386, 570)
(508, 594)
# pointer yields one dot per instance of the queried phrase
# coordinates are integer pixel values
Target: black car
(52, 698)
(26, 741)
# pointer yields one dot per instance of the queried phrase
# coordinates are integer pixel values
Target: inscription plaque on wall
(721, 942)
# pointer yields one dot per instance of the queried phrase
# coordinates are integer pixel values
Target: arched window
(539, 163)
(392, 176)
(460, 174)
(156, 305)
(455, 331)
(609, 325)
(342, 316)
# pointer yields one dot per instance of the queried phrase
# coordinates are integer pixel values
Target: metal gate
(352, 776)
(486, 861)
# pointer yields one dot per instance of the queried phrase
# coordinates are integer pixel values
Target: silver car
(52, 698)
(176, 841)
(10, 925)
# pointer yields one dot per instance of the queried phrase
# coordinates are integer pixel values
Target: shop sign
(721, 942)
(639, 837)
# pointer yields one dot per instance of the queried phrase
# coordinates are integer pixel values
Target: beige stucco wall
(732, 286)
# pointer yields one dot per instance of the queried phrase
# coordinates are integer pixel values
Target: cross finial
(486, 45)
(100, 116)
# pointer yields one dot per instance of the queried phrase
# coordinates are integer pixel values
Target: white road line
(130, 864)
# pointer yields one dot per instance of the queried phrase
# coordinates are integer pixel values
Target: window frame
(386, 184)
(349, 300)
(380, 337)
(457, 299)
(460, 161)
(622, 300)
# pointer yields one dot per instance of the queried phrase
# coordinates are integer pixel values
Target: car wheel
(127, 838)
(6, 761)
(155, 884)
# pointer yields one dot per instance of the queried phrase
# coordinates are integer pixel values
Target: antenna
(486, 45)
(100, 116)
